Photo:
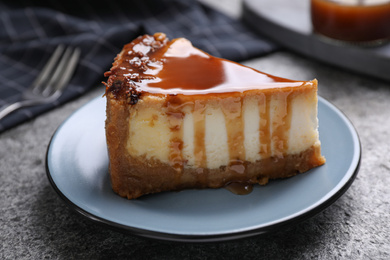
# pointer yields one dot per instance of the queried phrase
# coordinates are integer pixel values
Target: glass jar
(358, 21)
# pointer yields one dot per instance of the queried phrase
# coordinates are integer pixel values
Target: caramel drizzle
(273, 142)
(175, 119)
(281, 124)
(153, 64)
(232, 109)
(199, 134)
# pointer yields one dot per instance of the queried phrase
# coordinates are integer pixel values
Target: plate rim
(296, 218)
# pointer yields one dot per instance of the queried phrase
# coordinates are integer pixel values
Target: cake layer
(246, 127)
(134, 176)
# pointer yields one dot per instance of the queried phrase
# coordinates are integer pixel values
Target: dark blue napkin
(30, 31)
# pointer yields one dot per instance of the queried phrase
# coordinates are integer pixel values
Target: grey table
(36, 223)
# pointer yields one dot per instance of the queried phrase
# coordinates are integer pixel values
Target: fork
(51, 81)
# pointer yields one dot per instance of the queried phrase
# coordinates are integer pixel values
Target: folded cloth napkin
(30, 31)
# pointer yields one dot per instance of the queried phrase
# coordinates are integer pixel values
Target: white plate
(77, 167)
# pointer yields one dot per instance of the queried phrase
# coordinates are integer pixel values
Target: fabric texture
(31, 30)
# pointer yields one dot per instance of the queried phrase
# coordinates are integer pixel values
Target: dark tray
(287, 22)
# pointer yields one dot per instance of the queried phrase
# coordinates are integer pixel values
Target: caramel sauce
(280, 123)
(199, 129)
(239, 188)
(232, 109)
(354, 21)
(175, 119)
(152, 64)
(185, 75)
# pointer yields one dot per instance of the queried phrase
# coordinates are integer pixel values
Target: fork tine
(44, 74)
(69, 69)
(63, 72)
(48, 85)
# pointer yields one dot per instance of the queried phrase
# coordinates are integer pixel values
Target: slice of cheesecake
(179, 118)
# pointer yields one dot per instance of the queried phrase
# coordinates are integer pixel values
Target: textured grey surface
(36, 223)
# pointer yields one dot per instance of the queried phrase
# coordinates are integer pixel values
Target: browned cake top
(153, 64)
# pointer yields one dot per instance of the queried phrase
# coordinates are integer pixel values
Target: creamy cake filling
(223, 131)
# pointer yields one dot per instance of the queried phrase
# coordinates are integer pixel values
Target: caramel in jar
(352, 20)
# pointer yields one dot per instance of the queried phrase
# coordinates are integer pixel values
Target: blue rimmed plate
(77, 167)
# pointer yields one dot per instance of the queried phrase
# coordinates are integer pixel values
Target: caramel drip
(264, 128)
(175, 118)
(199, 134)
(281, 124)
(232, 109)
(175, 155)
(239, 188)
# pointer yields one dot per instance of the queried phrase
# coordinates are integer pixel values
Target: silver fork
(51, 81)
